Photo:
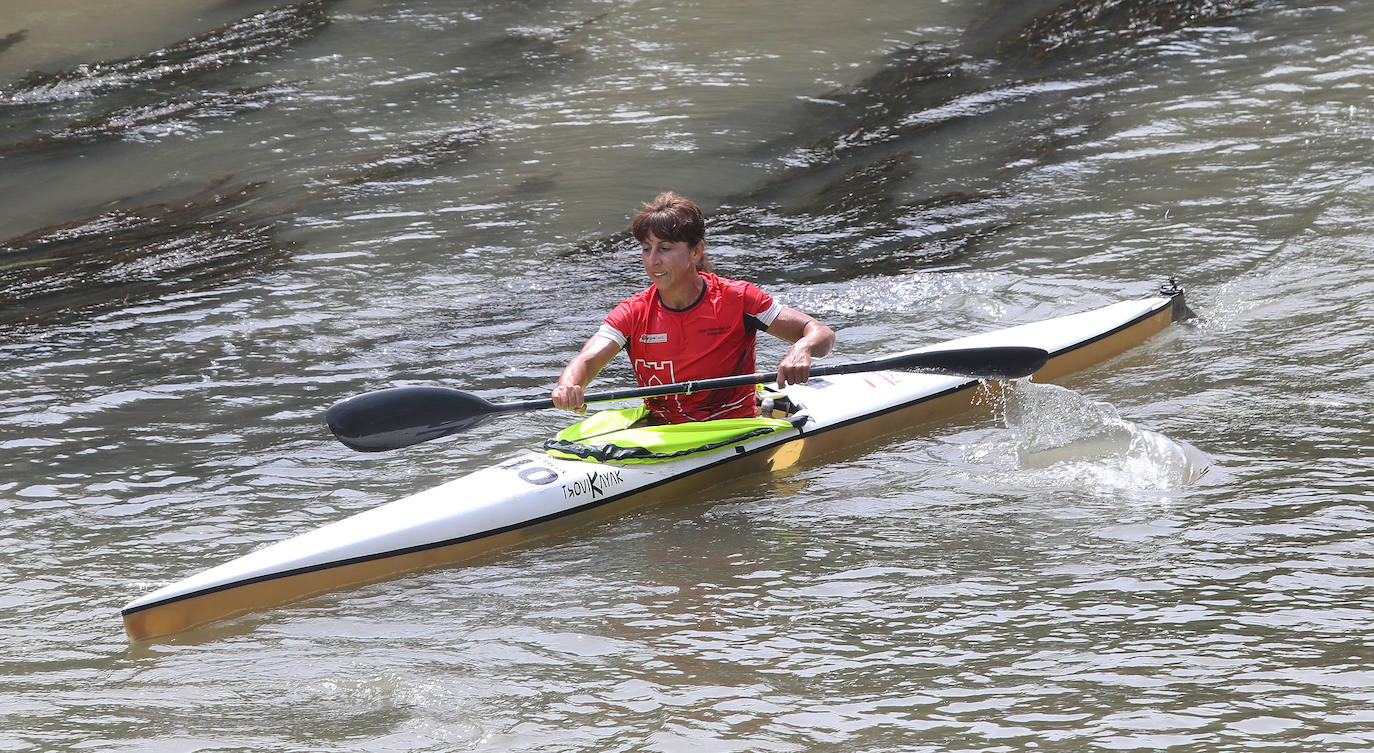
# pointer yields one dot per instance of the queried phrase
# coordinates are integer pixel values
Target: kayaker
(691, 324)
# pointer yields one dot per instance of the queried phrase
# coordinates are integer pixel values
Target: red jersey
(713, 337)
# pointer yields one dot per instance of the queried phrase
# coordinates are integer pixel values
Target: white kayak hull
(532, 493)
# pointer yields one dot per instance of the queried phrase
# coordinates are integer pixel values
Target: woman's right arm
(580, 372)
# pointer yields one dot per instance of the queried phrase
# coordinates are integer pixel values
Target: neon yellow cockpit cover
(611, 437)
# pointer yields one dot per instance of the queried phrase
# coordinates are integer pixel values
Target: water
(297, 203)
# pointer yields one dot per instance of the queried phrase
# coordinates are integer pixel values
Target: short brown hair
(670, 217)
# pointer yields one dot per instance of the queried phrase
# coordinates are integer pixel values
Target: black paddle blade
(402, 416)
(996, 362)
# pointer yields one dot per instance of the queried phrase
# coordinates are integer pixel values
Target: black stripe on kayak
(1177, 299)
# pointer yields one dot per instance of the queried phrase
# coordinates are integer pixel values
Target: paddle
(402, 416)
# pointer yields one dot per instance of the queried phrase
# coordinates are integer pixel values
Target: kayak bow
(532, 494)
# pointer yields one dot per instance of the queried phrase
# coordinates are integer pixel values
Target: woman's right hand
(569, 397)
(581, 370)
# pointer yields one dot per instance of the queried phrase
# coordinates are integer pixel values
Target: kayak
(535, 493)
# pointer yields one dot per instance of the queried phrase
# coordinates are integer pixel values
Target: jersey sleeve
(611, 333)
(618, 323)
(759, 307)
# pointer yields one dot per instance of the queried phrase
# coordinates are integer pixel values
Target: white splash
(1065, 440)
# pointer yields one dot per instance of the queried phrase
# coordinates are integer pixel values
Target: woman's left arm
(809, 338)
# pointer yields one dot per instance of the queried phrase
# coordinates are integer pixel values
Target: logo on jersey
(658, 338)
(654, 372)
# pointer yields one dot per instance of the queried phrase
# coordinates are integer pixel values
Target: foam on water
(1060, 438)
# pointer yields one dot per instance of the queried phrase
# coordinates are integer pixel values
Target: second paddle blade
(994, 362)
(402, 416)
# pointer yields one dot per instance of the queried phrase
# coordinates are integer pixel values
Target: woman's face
(670, 263)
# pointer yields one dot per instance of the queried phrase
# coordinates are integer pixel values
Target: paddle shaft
(402, 416)
(1011, 362)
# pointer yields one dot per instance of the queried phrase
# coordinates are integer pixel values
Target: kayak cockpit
(624, 436)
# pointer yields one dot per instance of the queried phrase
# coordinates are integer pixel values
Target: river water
(223, 221)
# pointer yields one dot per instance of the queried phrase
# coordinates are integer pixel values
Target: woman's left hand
(808, 337)
(795, 367)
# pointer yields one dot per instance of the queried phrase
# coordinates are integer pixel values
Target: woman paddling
(690, 324)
